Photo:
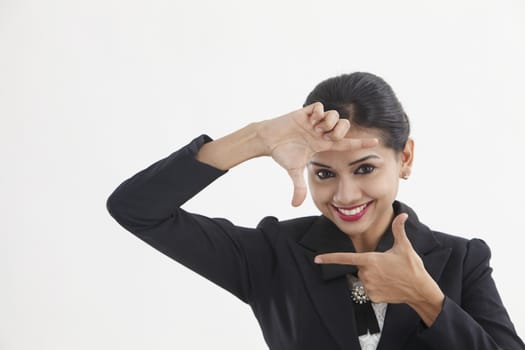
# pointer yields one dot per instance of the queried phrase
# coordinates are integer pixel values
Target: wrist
(428, 301)
(267, 135)
(233, 149)
(263, 137)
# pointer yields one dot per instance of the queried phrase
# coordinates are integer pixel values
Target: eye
(364, 169)
(324, 174)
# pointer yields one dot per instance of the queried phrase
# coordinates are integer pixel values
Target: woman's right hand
(293, 138)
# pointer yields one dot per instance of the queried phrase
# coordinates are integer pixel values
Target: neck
(368, 241)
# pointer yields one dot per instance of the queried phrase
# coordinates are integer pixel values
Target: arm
(481, 321)
(148, 204)
(233, 149)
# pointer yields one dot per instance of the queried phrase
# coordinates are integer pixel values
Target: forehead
(360, 132)
(332, 157)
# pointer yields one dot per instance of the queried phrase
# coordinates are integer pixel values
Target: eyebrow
(349, 164)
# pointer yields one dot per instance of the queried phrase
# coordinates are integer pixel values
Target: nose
(347, 192)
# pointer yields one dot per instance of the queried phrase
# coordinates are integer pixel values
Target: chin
(354, 230)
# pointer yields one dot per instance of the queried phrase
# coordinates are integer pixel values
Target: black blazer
(299, 304)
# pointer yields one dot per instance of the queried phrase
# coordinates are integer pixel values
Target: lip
(354, 217)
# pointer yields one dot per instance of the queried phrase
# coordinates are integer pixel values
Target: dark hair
(367, 101)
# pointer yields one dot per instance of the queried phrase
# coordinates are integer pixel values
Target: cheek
(384, 186)
(319, 192)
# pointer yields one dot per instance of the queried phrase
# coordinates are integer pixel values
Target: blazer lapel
(329, 293)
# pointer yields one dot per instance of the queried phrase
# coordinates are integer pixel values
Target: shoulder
(465, 254)
(472, 247)
(456, 240)
(472, 254)
(458, 244)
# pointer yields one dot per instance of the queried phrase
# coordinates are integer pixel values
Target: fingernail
(318, 260)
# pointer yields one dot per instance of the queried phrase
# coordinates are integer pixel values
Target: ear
(407, 158)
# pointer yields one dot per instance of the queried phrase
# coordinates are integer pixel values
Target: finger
(398, 229)
(339, 131)
(299, 186)
(328, 122)
(350, 144)
(315, 112)
(357, 259)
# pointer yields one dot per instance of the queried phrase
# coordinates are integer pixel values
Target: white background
(93, 91)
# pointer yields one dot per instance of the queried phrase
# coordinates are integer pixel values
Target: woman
(364, 274)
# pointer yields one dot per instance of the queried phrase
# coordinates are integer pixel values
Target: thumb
(398, 230)
(299, 186)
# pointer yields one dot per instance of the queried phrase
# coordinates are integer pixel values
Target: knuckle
(344, 124)
(333, 114)
(332, 117)
(340, 131)
(318, 108)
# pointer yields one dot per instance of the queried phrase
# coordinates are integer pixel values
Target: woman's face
(356, 189)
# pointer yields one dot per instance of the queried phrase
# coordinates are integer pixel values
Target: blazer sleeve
(148, 205)
(481, 322)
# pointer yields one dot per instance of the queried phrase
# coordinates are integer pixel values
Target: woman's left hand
(395, 276)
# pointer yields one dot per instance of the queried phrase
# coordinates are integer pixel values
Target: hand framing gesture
(395, 276)
(293, 138)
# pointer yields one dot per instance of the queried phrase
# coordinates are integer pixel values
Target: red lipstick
(358, 211)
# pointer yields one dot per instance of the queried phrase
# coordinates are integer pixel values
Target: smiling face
(355, 190)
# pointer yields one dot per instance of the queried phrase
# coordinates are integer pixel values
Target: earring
(404, 176)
